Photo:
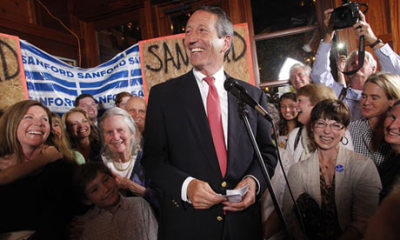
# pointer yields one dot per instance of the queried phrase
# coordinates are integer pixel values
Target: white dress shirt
(219, 77)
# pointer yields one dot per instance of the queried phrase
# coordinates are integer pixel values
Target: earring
(344, 142)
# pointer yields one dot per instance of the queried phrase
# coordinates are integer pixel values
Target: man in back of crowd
(136, 107)
(299, 75)
(87, 103)
(321, 71)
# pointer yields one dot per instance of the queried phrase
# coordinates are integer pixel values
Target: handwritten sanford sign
(164, 58)
(12, 78)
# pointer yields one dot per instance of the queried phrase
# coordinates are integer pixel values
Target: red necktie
(215, 122)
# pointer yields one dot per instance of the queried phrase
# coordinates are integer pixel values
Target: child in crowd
(112, 215)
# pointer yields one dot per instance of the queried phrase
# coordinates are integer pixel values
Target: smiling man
(196, 147)
(88, 103)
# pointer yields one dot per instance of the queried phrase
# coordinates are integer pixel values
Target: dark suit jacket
(178, 144)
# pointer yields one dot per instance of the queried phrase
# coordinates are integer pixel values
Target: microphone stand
(243, 115)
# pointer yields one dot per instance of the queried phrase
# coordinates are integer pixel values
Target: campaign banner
(56, 84)
(164, 58)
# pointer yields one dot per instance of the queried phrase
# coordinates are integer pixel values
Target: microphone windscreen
(229, 83)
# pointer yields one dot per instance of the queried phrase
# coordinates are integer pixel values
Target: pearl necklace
(119, 168)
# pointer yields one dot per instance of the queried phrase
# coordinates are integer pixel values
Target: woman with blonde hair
(379, 92)
(82, 134)
(61, 141)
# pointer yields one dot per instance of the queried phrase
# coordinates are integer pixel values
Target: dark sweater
(43, 202)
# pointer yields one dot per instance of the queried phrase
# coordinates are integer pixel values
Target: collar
(353, 94)
(219, 77)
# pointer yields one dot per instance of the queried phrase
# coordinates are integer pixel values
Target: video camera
(346, 15)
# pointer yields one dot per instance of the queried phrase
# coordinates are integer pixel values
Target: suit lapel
(234, 133)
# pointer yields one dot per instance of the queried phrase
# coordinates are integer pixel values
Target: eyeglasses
(334, 126)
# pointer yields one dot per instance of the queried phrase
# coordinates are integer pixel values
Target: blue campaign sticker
(339, 168)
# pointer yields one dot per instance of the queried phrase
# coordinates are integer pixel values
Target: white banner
(56, 84)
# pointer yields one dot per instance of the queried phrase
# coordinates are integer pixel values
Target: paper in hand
(236, 195)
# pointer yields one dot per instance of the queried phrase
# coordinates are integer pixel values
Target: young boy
(112, 216)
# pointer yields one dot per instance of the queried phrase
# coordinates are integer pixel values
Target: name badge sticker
(339, 168)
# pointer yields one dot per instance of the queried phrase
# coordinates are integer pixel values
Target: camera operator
(389, 60)
(321, 71)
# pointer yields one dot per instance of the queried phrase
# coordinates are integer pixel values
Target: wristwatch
(372, 45)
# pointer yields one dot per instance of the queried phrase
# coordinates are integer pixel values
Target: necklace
(119, 168)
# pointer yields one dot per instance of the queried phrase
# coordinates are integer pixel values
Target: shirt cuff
(257, 182)
(184, 189)
(385, 50)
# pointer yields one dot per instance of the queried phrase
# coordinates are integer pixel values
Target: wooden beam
(35, 30)
(287, 32)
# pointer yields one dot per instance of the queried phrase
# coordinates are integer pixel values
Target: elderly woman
(35, 190)
(120, 153)
(82, 134)
(379, 92)
(299, 145)
(338, 189)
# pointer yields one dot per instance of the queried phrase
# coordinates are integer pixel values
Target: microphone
(241, 93)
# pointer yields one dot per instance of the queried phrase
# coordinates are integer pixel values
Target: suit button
(223, 184)
(219, 218)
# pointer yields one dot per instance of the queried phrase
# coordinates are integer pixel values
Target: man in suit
(196, 146)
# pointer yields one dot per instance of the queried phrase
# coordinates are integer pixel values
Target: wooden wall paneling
(31, 13)
(89, 45)
(94, 10)
(163, 13)
(235, 10)
(112, 21)
(394, 6)
(17, 10)
(146, 20)
(58, 9)
(240, 12)
(75, 26)
(378, 16)
(157, 19)
(163, 21)
(38, 35)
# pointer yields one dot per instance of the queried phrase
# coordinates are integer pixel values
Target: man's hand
(362, 28)
(201, 195)
(328, 27)
(247, 200)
